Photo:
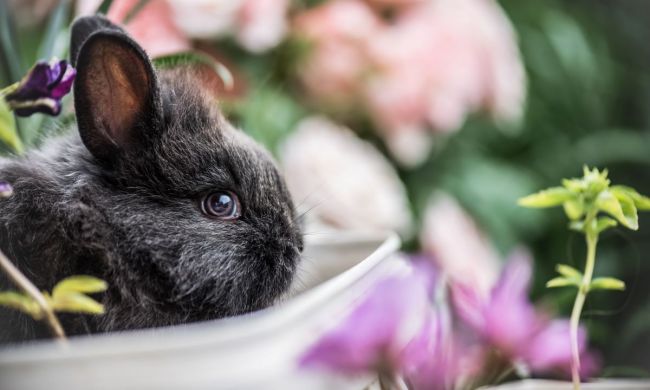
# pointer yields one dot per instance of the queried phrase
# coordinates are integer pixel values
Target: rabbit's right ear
(116, 93)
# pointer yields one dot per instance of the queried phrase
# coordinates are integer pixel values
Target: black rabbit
(184, 216)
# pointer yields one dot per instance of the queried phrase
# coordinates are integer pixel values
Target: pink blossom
(442, 60)
(439, 364)
(338, 32)
(166, 26)
(206, 19)
(262, 24)
(389, 330)
(258, 25)
(425, 70)
(507, 321)
(456, 244)
(153, 27)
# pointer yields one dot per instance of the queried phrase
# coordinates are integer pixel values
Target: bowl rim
(215, 333)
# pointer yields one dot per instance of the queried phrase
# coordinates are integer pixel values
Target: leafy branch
(69, 295)
(32, 301)
(592, 205)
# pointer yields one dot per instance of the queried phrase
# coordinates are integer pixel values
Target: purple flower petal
(515, 277)
(432, 362)
(42, 88)
(377, 332)
(6, 190)
(469, 305)
(508, 321)
(550, 348)
(64, 82)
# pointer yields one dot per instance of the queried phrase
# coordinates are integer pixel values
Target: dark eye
(222, 205)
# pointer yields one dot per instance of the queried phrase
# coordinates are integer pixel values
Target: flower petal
(377, 332)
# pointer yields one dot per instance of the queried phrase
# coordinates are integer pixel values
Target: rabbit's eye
(222, 205)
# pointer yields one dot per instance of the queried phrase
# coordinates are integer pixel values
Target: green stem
(592, 241)
(8, 89)
(21, 281)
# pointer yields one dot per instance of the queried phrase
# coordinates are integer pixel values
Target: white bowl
(256, 351)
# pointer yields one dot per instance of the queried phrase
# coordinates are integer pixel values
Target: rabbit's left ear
(83, 28)
(116, 95)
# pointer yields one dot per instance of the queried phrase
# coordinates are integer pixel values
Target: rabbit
(184, 216)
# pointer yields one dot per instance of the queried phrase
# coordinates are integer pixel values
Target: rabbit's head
(201, 222)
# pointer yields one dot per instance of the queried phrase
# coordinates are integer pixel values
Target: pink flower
(165, 26)
(262, 24)
(507, 321)
(442, 60)
(153, 27)
(258, 25)
(439, 364)
(348, 20)
(425, 70)
(389, 330)
(338, 32)
(457, 246)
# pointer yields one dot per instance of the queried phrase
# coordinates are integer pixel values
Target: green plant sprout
(69, 295)
(592, 206)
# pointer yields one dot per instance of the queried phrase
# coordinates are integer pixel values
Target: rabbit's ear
(84, 27)
(116, 95)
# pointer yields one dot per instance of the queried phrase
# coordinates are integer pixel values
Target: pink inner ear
(118, 89)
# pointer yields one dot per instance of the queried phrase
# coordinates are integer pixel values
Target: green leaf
(269, 115)
(76, 303)
(18, 301)
(104, 7)
(8, 132)
(79, 284)
(640, 201)
(573, 185)
(578, 226)
(574, 209)
(547, 198)
(622, 208)
(9, 48)
(55, 24)
(196, 58)
(607, 284)
(604, 223)
(568, 271)
(629, 210)
(561, 282)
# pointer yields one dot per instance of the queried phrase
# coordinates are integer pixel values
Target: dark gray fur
(132, 217)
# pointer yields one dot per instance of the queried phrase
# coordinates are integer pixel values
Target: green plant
(592, 205)
(69, 295)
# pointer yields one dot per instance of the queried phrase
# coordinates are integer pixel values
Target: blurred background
(426, 117)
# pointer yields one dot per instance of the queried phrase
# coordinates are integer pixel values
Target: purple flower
(42, 89)
(382, 333)
(5, 189)
(508, 322)
(437, 359)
